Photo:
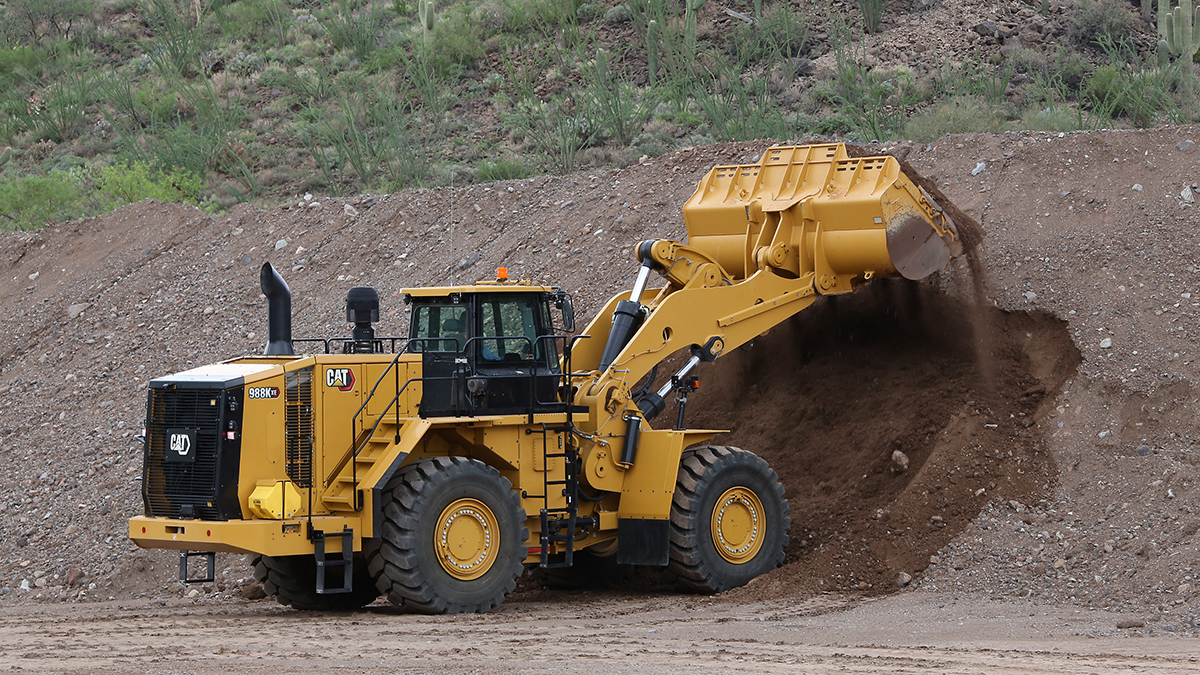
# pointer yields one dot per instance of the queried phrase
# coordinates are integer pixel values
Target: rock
(195, 593)
(209, 310)
(979, 168)
(71, 529)
(1143, 450)
(471, 259)
(1131, 623)
(247, 260)
(253, 591)
(349, 210)
(75, 310)
(1185, 145)
(42, 582)
(904, 579)
(1105, 343)
(280, 244)
(1137, 187)
(22, 541)
(308, 197)
(25, 584)
(1030, 296)
(987, 29)
(75, 576)
(1060, 564)
(1187, 195)
(314, 205)
(899, 462)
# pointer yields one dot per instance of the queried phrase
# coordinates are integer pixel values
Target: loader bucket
(814, 209)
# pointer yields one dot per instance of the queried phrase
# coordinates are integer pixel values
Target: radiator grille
(188, 486)
(299, 426)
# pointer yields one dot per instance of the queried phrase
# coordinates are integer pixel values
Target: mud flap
(643, 542)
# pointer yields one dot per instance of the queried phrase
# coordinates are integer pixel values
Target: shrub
(490, 170)
(128, 183)
(257, 20)
(962, 114)
(1058, 117)
(31, 201)
(1095, 18)
(356, 30)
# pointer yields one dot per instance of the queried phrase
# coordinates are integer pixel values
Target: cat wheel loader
(435, 468)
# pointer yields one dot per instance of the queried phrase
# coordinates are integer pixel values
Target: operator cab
(488, 349)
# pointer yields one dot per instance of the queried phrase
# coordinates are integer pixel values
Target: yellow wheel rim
(738, 525)
(467, 539)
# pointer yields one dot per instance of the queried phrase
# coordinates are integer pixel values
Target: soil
(1043, 391)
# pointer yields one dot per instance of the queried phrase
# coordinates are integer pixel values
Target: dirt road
(582, 633)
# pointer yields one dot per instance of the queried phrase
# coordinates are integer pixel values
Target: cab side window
(438, 328)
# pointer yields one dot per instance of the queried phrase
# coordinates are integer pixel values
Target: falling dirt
(829, 398)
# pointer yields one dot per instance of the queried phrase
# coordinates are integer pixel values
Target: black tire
(589, 570)
(406, 563)
(706, 474)
(293, 582)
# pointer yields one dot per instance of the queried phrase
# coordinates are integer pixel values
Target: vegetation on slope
(214, 102)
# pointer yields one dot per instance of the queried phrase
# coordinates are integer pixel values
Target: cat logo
(181, 445)
(342, 378)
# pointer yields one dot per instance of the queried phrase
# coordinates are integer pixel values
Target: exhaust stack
(279, 312)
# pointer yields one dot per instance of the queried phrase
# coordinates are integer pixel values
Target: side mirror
(563, 302)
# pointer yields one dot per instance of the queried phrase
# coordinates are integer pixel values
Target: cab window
(508, 326)
(438, 328)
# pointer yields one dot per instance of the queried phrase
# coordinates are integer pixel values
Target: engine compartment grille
(298, 428)
(172, 488)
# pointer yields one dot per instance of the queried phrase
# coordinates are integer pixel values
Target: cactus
(1164, 8)
(1164, 55)
(425, 13)
(5, 156)
(1181, 32)
(652, 50)
(690, 8)
(1147, 5)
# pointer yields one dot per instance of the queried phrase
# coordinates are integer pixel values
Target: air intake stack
(362, 308)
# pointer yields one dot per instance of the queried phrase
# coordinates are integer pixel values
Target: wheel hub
(467, 539)
(738, 524)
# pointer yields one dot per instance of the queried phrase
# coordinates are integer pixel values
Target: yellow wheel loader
(435, 468)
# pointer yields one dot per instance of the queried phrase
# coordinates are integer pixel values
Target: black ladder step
(345, 560)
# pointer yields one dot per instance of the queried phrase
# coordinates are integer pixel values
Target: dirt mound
(886, 428)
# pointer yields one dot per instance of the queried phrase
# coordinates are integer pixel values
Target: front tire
(454, 537)
(293, 581)
(729, 519)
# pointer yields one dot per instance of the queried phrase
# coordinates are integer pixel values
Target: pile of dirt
(891, 416)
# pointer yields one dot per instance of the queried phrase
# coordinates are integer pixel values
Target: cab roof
(480, 287)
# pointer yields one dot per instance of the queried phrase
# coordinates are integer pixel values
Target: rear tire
(293, 581)
(729, 519)
(454, 537)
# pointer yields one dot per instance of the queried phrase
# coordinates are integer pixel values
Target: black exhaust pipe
(279, 312)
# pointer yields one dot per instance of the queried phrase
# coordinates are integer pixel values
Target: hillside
(1044, 399)
(221, 102)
